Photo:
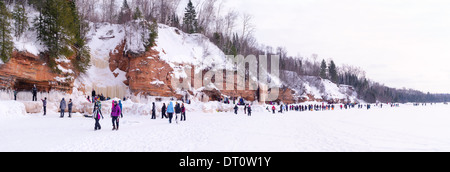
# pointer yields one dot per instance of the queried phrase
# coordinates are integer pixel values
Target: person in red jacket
(273, 109)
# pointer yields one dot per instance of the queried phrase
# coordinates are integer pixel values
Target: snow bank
(33, 107)
(332, 91)
(177, 47)
(11, 110)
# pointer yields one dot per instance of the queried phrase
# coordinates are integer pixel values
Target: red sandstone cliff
(24, 70)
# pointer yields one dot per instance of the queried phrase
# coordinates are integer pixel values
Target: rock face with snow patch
(24, 70)
(117, 71)
(150, 76)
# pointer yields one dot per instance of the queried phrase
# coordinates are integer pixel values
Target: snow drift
(11, 110)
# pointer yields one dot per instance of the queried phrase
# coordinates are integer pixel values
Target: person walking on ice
(98, 104)
(121, 109)
(153, 111)
(115, 113)
(97, 114)
(62, 107)
(93, 96)
(15, 94)
(70, 108)
(183, 113)
(170, 111)
(177, 111)
(163, 111)
(44, 104)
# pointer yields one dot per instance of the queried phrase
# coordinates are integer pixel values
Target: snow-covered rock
(12, 110)
(33, 107)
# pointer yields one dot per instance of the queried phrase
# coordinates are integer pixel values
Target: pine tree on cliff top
(58, 28)
(323, 70)
(20, 20)
(6, 45)
(333, 72)
(190, 23)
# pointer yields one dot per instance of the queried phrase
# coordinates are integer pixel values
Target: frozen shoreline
(408, 128)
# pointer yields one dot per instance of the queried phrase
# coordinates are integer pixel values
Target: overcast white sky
(401, 43)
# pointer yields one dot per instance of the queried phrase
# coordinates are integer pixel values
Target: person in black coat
(249, 109)
(153, 111)
(34, 91)
(163, 111)
(236, 109)
(177, 111)
(70, 108)
(93, 95)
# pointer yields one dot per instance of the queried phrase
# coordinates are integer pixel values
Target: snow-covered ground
(407, 128)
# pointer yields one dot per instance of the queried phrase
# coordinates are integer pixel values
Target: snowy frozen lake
(407, 128)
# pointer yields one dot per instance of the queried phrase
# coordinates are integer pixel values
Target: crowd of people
(301, 108)
(177, 111)
(174, 111)
(247, 109)
(324, 107)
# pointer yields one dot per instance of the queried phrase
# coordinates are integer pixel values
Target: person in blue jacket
(121, 109)
(170, 111)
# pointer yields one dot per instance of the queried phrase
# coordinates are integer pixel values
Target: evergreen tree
(79, 29)
(125, 4)
(137, 14)
(174, 21)
(20, 20)
(333, 72)
(58, 27)
(299, 69)
(235, 48)
(323, 70)
(6, 44)
(190, 23)
(48, 28)
(150, 34)
(125, 13)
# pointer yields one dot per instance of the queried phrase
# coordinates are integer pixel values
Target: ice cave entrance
(27, 85)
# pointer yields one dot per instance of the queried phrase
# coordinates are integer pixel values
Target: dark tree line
(373, 91)
(367, 90)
